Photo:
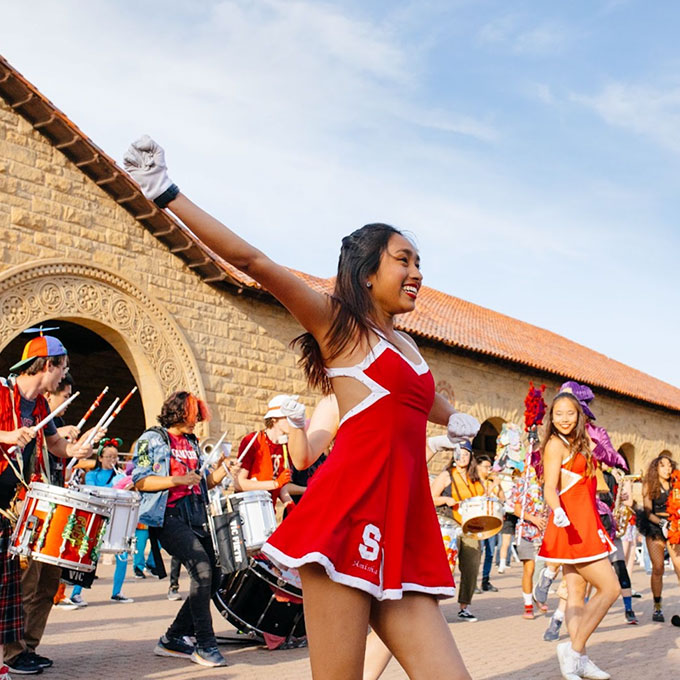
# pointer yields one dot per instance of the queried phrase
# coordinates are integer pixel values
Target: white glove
(294, 412)
(462, 425)
(663, 525)
(145, 161)
(560, 518)
(440, 442)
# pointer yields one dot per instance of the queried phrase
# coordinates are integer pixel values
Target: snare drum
(263, 599)
(61, 526)
(257, 517)
(124, 513)
(482, 517)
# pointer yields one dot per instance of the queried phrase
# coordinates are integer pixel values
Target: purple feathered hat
(583, 393)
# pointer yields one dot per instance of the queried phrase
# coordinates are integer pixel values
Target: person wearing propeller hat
(43, 366)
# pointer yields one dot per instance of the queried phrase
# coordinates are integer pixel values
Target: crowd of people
(375, 541)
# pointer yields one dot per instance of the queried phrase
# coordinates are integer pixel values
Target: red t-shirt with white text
(183, 459)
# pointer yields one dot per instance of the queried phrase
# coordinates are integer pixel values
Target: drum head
(482, 527)
(249, 602)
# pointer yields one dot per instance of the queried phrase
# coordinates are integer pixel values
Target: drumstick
(36, 428)
(95, 429)
(250, 443)
(120, 408)
(90, 410)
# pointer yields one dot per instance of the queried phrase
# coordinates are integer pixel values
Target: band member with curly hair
(174, 496)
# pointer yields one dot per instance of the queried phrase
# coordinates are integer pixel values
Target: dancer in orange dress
(575, 536)
(369, 551)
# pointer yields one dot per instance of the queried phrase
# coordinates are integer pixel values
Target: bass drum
(262, 599)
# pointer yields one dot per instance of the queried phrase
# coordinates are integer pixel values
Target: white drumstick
(36, 428)
(250, 443)
(94, 431)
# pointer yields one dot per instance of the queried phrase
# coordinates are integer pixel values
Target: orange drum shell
(89, 521)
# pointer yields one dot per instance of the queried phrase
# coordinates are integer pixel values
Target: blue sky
(533, 148)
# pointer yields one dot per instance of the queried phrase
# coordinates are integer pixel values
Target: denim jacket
(152, 457)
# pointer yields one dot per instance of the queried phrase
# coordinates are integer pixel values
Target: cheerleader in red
(365, 537)
(575, 536)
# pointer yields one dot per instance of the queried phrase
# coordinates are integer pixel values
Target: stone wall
(233, 349)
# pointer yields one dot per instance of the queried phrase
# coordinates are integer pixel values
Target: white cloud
(650, 111)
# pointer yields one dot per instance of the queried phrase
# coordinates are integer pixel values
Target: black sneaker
(630, 617)
(42, 661)
(466, 615)
(487, 586)
(168, 646)
(23, 664)
(634, 593)
(208, 656)
(121, 598)
(658, 616)
(139, 573)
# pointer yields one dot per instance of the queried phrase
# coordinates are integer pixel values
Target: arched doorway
(627, 450)
(94, 363)
(485, 441)
(139, 329)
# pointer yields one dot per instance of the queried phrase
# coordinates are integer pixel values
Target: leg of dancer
(552, 632)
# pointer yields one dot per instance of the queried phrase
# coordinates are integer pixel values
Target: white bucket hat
(274, 406)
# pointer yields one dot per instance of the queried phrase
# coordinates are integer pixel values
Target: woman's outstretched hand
(145, 161)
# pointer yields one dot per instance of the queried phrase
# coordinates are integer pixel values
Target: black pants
(198, 558)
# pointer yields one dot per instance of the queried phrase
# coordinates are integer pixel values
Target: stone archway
(139, 328)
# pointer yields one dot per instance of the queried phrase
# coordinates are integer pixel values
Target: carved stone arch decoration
(138, 327)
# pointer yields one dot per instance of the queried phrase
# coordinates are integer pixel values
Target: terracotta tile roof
(439, 317)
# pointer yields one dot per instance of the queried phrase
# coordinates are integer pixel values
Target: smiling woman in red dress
(575, 536)
(368, 551)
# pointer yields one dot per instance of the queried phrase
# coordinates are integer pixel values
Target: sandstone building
(140, 301)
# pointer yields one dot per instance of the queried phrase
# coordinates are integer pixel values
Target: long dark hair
(581, 441)
(353, 313)
(652, 483)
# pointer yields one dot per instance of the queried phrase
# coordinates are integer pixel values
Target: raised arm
(306, 447)
(145, 161)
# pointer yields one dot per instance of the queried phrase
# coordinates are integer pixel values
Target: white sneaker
(569, 661)
(78, 600)
(591, 671)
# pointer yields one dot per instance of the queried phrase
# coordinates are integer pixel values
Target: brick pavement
(112, 640)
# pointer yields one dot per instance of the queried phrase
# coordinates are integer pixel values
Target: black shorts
(509, 524)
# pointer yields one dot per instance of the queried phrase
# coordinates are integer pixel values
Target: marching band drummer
(264, 457)
(174, 497)
(43, 366)
(458, 482)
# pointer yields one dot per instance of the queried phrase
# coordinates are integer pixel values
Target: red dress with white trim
(585, 539)
(367, 516)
